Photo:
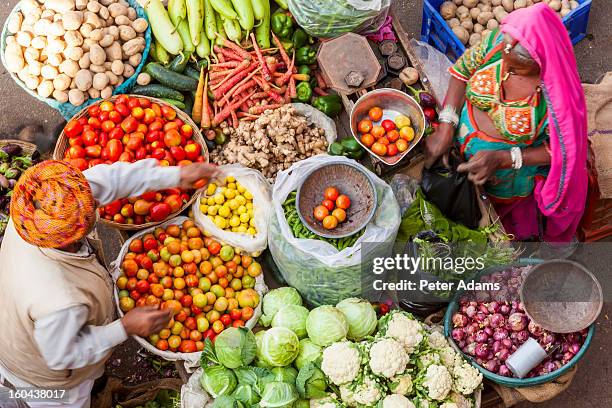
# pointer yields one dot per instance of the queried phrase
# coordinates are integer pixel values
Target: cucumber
(170, 78)
(174, 102)
(158, 91)
(188, 104)
(179, 63)
(192, 73)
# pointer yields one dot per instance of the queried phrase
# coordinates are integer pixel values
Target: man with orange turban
(58, 313)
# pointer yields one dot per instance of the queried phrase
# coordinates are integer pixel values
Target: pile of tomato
(127, 130)
(332, 210)
(208, 286)
(385, 137)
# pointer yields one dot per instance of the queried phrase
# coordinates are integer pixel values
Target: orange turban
(52, 205)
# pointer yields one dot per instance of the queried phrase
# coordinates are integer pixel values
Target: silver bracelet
(449, 115)
(517, 158)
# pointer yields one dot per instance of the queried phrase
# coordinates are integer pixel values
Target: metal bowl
(393, 103)
(350, 179)
(561, 296)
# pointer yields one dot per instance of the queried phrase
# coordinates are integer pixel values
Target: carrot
(244, 87)
(260, 95)
(234, 89)
(281, 49)
(266, 71)
(247, 115)
(320, 91)
(244, 107)
(229, 64)
(234, 119)
(287, 95)
(237, 49)
(219, 74)
(275, 97)
(196, 112)
(292, 90)
(243, 66)
(227, 111)
(320, 80)
(262, 84)
(285, 78)
(205, 123)
(256, 110)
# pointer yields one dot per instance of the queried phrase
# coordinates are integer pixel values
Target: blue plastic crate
(436, 31)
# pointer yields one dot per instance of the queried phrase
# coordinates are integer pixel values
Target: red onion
(567, 357)
(483, 309)
(481, 337)
(535, 329)
(461, 344)
(460, 320)
(507, 343)
(504, 371)
(480, 317)
(493, 307)
(497, 320)
(492, 365)
(522, 336)
(517, 321)
(575, 348)
(470, 311)
(503, 354)
(497, 346)
(470, 339)
(500, 334)
(547, 339)
(489, 331)
(481, 350)
(470, 349)
(504, 309)
(472, 328)
(458, 334)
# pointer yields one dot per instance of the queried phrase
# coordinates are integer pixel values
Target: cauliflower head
(449, 358)
(467, 378)
(367, 392)
(401, 384)
(438, 382)
(429, 359)
(406, 330)
(460, 401)
(341, 362)
(325, 402)
(396, 401)
(388, 358)
(449, 405)
(437, 340)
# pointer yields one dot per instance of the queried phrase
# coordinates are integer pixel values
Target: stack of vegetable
(13, 162)
(305, 359)
(472, 20)
(72, 51)
(490, 326)
(230, 206)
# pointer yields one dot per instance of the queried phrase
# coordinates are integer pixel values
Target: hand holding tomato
(146, 320)
(194, 172)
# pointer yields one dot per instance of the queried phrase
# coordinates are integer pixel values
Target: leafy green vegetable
(278, 394)
(218, 380)
(292, 317)
(311, 382)
(275, 300)
(235, 347)
(309, 353)
(260, 361)
(361, 317)
(301, 403)
(246, 395)
(226, 401)
(285, 374)
(326, 325)
(279, 346)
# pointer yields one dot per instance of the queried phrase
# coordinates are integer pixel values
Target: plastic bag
(325, 18)
(435, 66)
(259, 187)
(321, 273)
(192, 360)
(404, 188)
(319, 119)
(192, 393)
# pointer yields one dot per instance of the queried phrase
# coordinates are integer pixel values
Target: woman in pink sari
(516, 110)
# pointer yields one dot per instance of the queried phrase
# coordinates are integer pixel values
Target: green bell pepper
(282, 24)
(288, 46)
(331, 105)
(305, 56)
(300, 38)
(336, 149)
(304, 92)
(304, 70)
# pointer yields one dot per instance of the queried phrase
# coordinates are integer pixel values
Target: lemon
(210, 217)
(250, 212)
(220, 222)
(242, 209)
(210, 190)
(241, 200)
(203, 200)
(230, 179)
(248, 195)
(249, 206)
(219, 198)
(212, 210)
(252, 222)
(241, 188)
(210, 201)
(251, 231)
(230, 193)
(233, 204)
(242, 228)
(244, 217)
(224, 211)
(235, 221)
(234, 229)
(231, 186)
(204, 209)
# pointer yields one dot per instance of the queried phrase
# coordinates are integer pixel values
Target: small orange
(340, 214)
(367, 139)
(365, 126)
(330, 222)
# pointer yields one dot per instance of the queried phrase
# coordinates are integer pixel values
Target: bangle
(449, 115)
(517, 158)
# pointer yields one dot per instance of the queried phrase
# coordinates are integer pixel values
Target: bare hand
(438, 144)
(196, 175)
(483, 165)
(146, 320)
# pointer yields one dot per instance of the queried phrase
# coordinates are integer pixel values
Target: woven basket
(67, 109)
(28, 148)
(62, 145)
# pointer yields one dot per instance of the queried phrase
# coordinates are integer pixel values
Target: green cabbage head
(292, 317)
(326, 325)
(361, 318)
(279, 346)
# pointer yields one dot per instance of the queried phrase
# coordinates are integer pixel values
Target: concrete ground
(592, 386)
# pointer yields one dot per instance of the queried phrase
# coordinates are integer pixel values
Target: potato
(140, 25)
(453, 22)
(73, 53)
(470, 3)
(462, 12)
(143, 78)
(519, 4)
(500, 15)
(127, 33)
(93, 6)
(128, 70)
(104, 13)
(107, 2)
(13, 25)
(492, 24)
(92, 19)
(81, 4)
(462, 34)
(76, 97)
(45, 88)
(87, 43)
(133, 46)
(24, 38)
(485, 7)
(72, 20)
(122, 20)
(117, 67)
(474, 39)
(484, 17)
(73, 38)
(31, 55)
(106, 92)
(496, 3)
(60, 96)
(31, 82)
(97, 68)
(109, 22)
(474, 13)
(13, 56)
(106, 41)
(112, 78)
(69, 67)
(114, 52)
(86, 30)
(93, 93)
(107, 65)
(29, 6)
(458, 2)
(60, 6)
(47, 15)
(574, 4)
(83, 79)
(97, 34)
(34, 68)
(112, 30)
(55, 59)
(117, 9)
(478, 28)
(48, 72)
(448, 9)
(41, 27)
(555, 5)
(100, 81)
(97, 54)
(61, 82)
(132, 15)
(508, 5)
(84, 62)
(135, 59)
(468, 25)
(11, 40)
(56, 29)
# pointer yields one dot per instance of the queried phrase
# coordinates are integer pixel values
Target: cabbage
(218, 380)
(259, 359)
(275, 300)
(326, 325)
(225, 401)
(279, 346)
(360, 316)
(285, 374)
(292, 317)
(311, 382)
(235, 347)
(309, 353)
(245, 394)
(278, 394)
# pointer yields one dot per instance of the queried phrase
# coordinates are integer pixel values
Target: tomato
(367, 140)
(407, 133)
(209, 333)
(103, 116)
(329, 204)
(331, 193)
(138, 112)
(192, 150)
(235, 314)
(143, 286)
(90, 138)
(80, 164)
(73, 128)
(158, 153)
(93, 151)
(122, 99)
(402, 145)
(172, 138)
(107, 126)
(94, 122)
(393, 135)
(378, 132)
(93, 110)
(126, 157)
(116, 133)
(75, 141)
(192, 280)
(186, 301)
(330, 222)
(141, 153)
(226, 320)
(149, 116)
(375, 114)
(343, 201)
(320, 212)
(178, 153)
(383, 141)
(168, 112)
(162, 345)
(122, 109)
(379, 149)
(174, 342)
(115, 149)
(76, 152)
(340, 214)
(365, 126)
(134, 143)
(392, 150)
(129, 124)
(95, 162)
(388, 125)
(157, 124)
(159, 211)
(214, 248)
(115, 117)
(103, 139)
(247, 313)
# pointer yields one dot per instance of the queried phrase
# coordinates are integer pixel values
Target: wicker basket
(62, 145)
(28, 148)
(67, 109)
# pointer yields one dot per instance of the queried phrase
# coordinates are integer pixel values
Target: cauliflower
(388, 358)
(401, 384)
(467, 378)
(449, 405)
(406, 330)
(367, 392)
(346, 395)
(449, 358)
(460, 401)
(438, 382)
(437, 340)
(429, 359)
(396, 401)
(325, 402)
(341, 362)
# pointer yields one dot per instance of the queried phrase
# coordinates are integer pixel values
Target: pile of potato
(471, 20)
(72, 50)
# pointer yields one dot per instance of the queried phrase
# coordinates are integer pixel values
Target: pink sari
(561, 197)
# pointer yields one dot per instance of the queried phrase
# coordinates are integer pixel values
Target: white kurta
(63, 338)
